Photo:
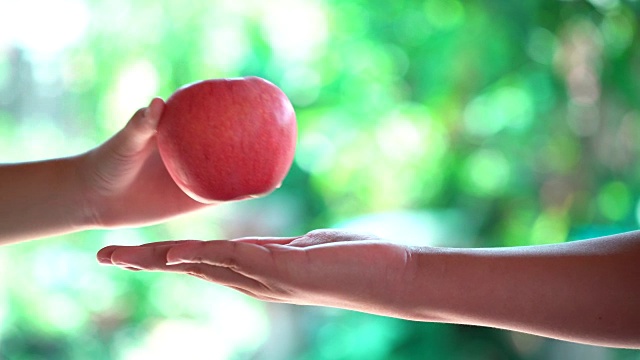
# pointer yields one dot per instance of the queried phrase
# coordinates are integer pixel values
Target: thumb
(136, 134)
(117, 162)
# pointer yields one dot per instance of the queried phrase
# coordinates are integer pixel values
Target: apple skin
(227, 139)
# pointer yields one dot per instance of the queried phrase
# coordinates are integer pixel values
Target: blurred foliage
(522, 116)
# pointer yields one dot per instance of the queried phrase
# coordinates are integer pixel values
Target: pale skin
(585, 291)
(119, 183)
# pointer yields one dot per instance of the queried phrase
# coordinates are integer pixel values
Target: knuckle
(196, 271)
(277, 289)
(319, 232)
(231, 261)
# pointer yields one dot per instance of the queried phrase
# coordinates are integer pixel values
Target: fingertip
(156, 102)
(145, 120)
(104, 254)
(173, 256)
(120, 256)
(141, 127)
(154, 110)
(183, 253)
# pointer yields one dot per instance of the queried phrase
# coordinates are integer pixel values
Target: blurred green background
(439, 122)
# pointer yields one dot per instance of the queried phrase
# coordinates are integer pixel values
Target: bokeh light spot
(614, 200)
(486, 172)
(550, 227)
(542, 46)
(506, 106)
(297, 31)
(136, 85)
(444, 14)
(618, 29)
(44, 28)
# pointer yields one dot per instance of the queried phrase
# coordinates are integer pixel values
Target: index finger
(243, 257)
(150, 255)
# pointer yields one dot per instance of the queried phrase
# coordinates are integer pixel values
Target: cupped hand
(124, 180)
(324, 267)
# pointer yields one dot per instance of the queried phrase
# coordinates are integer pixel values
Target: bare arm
(586, 291)
(38, 199)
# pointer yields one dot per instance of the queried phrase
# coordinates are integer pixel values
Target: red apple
(227, 139)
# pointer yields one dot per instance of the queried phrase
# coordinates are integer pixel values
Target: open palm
(324, 267)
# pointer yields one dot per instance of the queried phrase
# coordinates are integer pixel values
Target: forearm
(585, 291)
(39, 199)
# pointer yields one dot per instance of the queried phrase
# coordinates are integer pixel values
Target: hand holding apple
(227, 139)
(123, 182)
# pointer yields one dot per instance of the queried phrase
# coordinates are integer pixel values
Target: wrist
(83, 202)
(427, 284)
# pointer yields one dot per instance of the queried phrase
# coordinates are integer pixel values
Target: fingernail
(128, 266)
